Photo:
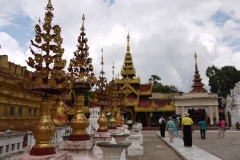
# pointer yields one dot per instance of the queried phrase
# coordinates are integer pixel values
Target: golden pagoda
(138, 97)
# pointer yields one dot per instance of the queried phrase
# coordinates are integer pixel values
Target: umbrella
(176, 115)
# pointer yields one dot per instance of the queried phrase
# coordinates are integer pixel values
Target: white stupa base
(80, 150)
(60, 155)
(135, 148)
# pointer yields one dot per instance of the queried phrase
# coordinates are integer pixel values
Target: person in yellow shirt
(187, 129)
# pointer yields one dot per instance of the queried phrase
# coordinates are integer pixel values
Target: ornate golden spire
(102, 99)
(49, 77)
(47, 59)
(197, 84)
(128, 43)
(128, 69)
(80, 66)
(102, 63)
(80, 69)
(113, 70)
(48, 13)
(195, 56)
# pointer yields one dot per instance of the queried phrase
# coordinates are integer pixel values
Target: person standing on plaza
(176, 122)
(203, 128)
(162, 123)
(221, 127)
(187, 129)
(170, 128)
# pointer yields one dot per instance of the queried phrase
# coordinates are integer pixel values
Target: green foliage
(159, 87)
(88, 94)
(164, 88)
(223, 79)
(155, 79)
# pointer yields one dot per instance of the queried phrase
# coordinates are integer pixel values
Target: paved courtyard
(212, 147)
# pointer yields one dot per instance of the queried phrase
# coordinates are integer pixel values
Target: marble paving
(193, 153)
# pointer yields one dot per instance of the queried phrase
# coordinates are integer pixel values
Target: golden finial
(128, 43)
(49, 14)
(102, 63)
(113, 70)
(49, 5)
(195, 56)
(82, 28)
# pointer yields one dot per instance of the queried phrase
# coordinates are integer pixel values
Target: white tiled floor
(193, 153)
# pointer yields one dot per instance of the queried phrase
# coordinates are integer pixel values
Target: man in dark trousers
(162, 123)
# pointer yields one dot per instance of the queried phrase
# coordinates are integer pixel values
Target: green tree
(223, 79)
(88, 94)
(155, 79)
(159, 87)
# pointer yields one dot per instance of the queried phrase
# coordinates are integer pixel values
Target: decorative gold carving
(128, 72)
(154, 108)
(60, 117)
(49, 51)
(127, 92)
(134, 103)
(130, 81)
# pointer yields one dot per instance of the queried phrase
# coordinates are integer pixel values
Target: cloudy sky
(164, 34)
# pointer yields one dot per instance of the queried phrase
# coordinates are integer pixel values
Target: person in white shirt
(162, 123)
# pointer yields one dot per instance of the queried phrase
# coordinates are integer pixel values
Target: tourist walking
(176, 122)
(170, 127)
(187, 129)
(203, 128)
(221, 127)
(162, 123)
(237, 126)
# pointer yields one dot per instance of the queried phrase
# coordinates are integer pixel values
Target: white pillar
(182, 111)
(4, 150)
(176, 109)
(211, 115)
(21, 146)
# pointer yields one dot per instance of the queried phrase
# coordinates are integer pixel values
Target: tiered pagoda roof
(197, 84)
(128, 69)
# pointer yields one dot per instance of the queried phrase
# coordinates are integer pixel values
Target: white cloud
(209, 41)
(164, 35)
(10, 47)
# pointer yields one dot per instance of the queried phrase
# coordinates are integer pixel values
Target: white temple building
(232, 110)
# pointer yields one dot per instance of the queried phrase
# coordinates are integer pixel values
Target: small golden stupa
(81, 78)
(48, 78)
